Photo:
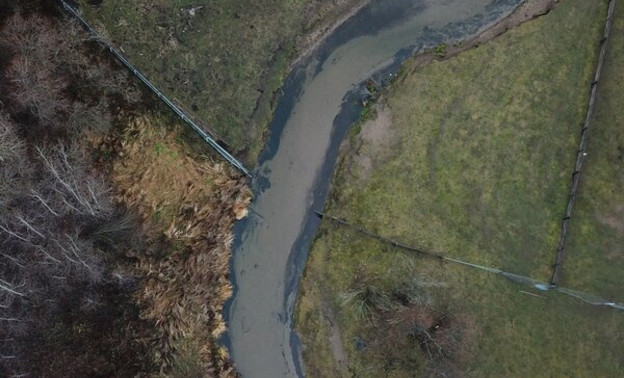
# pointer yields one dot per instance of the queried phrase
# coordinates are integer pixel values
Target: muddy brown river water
(321, 98)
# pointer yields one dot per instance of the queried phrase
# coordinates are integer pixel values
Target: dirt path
(377, 135)
(335, 338)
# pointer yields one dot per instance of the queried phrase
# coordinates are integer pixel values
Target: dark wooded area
(64, 305)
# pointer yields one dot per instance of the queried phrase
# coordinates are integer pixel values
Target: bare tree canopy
(57, 219)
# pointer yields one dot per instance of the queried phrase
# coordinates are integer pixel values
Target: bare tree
(56, 214)
(40, 38)
(38, 89)
(43, 253)
(10, 145)
(78, 191)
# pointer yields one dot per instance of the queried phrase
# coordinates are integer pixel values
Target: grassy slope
(217, 63)
(480, 170)
(224, 64)
(595, 252)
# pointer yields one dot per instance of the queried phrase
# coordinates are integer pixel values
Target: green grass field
(595, 252)
(223, 62)
(477, 167)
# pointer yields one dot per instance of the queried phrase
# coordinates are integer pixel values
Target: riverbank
(319, 102)
(223, 61)
(469, 157)
(527, 11)
(321, 22)
(186, 281)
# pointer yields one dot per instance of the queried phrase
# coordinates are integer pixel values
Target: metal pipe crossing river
(176, 109)
(587, 298)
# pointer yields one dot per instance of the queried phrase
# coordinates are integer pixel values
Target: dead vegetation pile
(443, 340)
(405, 330)
(187, 205)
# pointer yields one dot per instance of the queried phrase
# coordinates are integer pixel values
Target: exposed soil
(377, 135)
(377, 131)
(614, 220)
(335, 340)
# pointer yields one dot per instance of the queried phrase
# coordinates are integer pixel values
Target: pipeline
(542, 286)
(176, 109)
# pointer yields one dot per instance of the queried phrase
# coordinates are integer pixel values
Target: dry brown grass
(188, 205)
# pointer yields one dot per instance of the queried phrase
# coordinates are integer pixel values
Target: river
(321, 98)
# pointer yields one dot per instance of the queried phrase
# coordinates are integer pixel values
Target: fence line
(587, 298)
(580, 155)
(176, 109)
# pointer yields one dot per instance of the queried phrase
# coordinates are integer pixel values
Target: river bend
(321, 98)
